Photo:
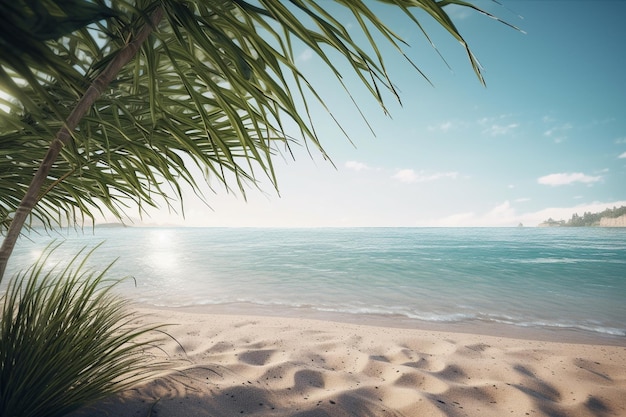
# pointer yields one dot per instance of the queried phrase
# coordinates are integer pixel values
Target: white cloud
(554, 130)
(409, 176)
(500, 210)
(500, 215)
(620, 141)
(455, 220)
(356, 166)
(442, 127)
(522, 200)
(306, 55)
(622, 156)
(567, 178)
(558, 133)
(498, 130)
(405, 175)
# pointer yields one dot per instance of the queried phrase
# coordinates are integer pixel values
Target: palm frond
(212, 89)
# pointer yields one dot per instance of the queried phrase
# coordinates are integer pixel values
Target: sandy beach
(228, 365)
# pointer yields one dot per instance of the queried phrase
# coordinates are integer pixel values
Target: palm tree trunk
(64, 135)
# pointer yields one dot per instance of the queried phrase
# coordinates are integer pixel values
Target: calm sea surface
(543, 278)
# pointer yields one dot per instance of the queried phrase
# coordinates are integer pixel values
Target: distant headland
(615, 217)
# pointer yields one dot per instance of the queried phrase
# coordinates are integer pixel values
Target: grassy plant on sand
(67, 340)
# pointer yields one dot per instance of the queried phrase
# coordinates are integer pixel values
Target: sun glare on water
(163, 249)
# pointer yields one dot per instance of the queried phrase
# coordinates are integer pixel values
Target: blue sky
(545, 138)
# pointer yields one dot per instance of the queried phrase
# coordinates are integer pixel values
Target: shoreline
(474, 327)
(264, 366)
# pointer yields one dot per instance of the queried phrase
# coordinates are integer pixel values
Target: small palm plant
(67, 340)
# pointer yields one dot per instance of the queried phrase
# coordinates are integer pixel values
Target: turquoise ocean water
(541, 278)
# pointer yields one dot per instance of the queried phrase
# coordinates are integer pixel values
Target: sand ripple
(270, 367)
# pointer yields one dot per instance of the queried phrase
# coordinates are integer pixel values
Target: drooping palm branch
(129, 96)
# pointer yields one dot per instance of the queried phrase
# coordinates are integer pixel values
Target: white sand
(266, 366)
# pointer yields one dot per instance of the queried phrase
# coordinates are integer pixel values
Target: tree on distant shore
(114, 102)
(588, 219)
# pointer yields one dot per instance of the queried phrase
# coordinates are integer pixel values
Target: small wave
(609, 331)
(390, 312)
(462, 313)
(461, 317)
(564, 261)
(398, 312)
(553, 325)
(547, 261)
(385, 311)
